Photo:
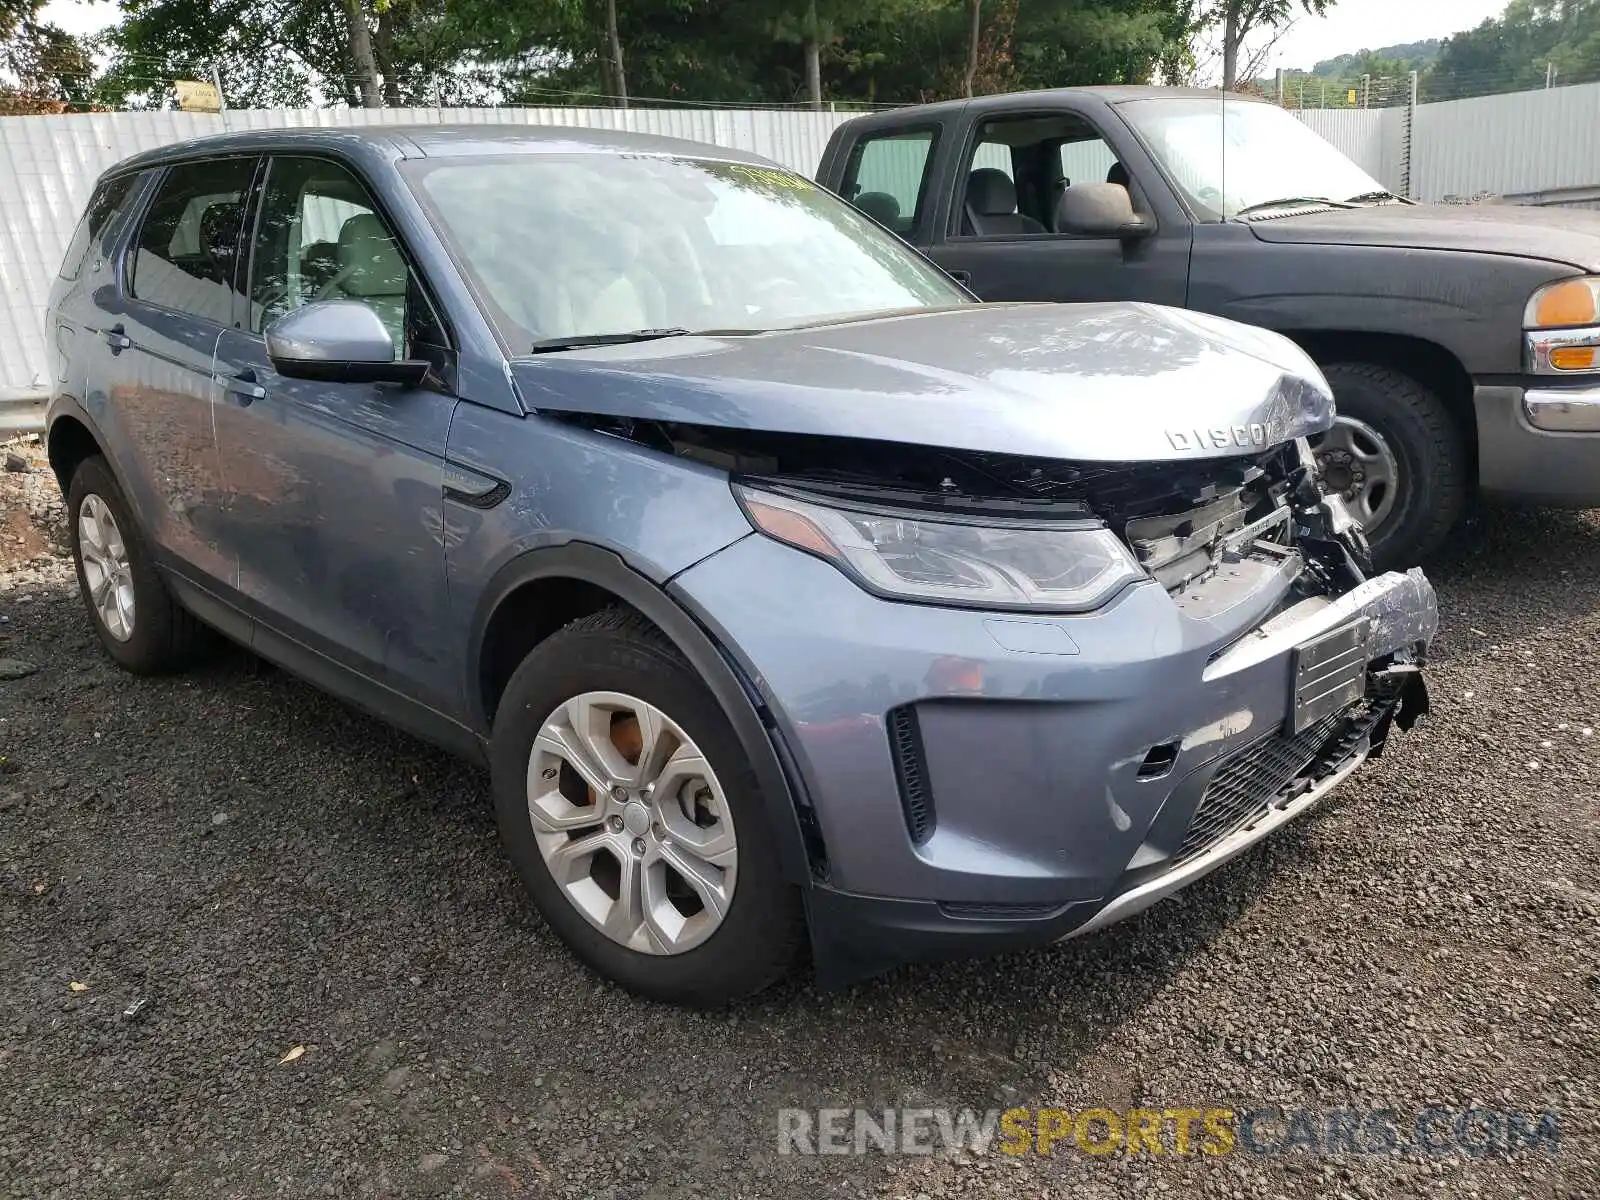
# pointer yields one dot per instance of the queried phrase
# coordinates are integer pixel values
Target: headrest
(991, 192)
(880, 206)
(219, 230)
(369, 258)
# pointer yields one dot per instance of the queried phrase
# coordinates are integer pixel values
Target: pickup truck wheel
(635, 819)
(1397, 457)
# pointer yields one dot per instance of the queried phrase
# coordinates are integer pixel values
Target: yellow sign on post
(1350, 97)
(194, 96)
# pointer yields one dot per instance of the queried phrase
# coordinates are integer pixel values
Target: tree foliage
(272, 53)
(1532, 41)
(42, 69)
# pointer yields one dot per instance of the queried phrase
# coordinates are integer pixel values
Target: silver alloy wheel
(106, 569)
(1354, 461)
(632, 823)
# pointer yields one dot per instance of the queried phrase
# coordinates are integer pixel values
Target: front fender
(761, 742)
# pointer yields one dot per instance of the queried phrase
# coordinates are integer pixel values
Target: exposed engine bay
(1182, 520)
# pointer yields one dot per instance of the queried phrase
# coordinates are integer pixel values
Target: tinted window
(187, 251)
(321, 237)
(103, 205)
(886, 177)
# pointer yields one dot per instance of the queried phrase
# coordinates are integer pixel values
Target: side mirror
(1100, 210)
(339, 341)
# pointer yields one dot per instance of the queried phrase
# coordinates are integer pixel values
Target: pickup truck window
(1236, 155)
(887, 176)
(1019, 168)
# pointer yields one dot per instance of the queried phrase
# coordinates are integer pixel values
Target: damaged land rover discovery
(794, 599)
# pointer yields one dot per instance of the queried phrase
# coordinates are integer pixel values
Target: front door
(335, 490)
(1003, 241)
(179, 292)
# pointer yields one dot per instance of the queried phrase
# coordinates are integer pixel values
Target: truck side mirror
(1100, 210)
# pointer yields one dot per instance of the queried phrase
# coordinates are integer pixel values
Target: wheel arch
(71, 438)
(538, 592)
(1433, 366)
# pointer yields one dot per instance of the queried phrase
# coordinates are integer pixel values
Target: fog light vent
(916, 798)
(1159, 761)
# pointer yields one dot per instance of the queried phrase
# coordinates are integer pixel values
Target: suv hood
(1554, 235)
(1088, 382)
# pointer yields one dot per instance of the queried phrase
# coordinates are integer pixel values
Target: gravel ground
(201, 875)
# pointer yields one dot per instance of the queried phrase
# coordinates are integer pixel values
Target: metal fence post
(1408, 143)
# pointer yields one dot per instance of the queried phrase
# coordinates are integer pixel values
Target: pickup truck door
(1018, 255)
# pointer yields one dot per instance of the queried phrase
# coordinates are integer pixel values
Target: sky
(1350, 25)
(1353, 25)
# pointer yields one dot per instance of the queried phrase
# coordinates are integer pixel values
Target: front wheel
(1397, 458)
(635, 819)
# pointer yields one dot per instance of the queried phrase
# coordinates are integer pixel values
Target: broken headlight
(987, 562)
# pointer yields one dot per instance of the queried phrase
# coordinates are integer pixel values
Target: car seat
(992, 205)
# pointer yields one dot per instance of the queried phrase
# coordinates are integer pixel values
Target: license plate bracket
(1330, 673)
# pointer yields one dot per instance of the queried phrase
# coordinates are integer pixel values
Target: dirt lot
(199, 875)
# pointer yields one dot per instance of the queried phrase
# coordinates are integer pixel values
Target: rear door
(336, 489)
(179, 290)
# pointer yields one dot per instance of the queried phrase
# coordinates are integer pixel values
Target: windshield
(582, 245)
(1233, 155)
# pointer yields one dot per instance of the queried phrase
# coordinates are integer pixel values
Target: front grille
(1246, 784)
(1249, 781)
(916, 798)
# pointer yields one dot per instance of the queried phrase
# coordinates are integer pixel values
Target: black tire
(1432, 458)
(762, 936)
(165, 637)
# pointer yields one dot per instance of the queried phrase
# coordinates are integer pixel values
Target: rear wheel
(136, 618)
(635, 820)
(1397, 457)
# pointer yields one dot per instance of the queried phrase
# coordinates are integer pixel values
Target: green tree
(41, 66)
(1532, 41)
(1241, 18)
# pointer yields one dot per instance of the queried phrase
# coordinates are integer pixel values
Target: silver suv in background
(793, 598)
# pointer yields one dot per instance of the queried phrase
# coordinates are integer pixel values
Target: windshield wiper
(1281, 201)
(1377, 197)
(580, 340)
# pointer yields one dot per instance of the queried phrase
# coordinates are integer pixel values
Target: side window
(186, 255)
(886, 178)
(995, 200)
(320, 237)
(1090, 161)
(1021, 167)
(103, 205)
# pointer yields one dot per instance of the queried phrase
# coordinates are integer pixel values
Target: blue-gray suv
(796, 600)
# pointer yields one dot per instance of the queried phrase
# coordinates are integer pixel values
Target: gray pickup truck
(1462, 343)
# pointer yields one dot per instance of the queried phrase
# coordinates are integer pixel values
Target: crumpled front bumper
(1036, 738)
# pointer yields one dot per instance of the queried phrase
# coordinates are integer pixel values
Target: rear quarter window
(107, 201)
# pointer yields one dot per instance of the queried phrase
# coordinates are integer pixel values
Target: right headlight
(988, 562)
(1562, 324)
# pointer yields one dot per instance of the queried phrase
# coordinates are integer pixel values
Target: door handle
(117, 339)
(964, 278)
(244, 386)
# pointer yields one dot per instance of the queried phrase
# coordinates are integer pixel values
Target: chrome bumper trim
(1563, 410)
(1138, 899)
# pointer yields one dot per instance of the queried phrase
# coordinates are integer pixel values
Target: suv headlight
(987, 562)
(1563, 327)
